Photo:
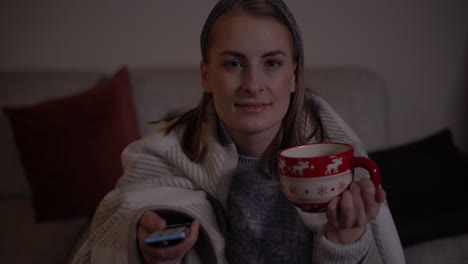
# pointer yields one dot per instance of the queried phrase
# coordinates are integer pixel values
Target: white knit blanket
(159, 176)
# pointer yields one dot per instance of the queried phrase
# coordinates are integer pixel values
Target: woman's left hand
(349, 214)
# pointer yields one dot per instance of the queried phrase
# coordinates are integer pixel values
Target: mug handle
(369, 165)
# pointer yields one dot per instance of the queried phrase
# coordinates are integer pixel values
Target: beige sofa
(357, 94)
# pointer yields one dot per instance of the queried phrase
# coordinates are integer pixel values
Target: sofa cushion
(425, 182)
(19, 88)
(70, 146)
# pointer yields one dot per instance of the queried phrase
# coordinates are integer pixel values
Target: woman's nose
(251, 80)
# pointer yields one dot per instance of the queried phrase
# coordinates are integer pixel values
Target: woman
(215, 165)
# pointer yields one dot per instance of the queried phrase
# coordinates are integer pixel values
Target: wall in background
(419, 47)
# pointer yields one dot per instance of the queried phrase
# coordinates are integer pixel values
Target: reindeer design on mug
(333, 167)
(299, 168)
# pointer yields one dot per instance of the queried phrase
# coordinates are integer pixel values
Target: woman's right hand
(151, 222)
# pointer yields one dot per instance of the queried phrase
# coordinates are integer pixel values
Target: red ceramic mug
(313, 174)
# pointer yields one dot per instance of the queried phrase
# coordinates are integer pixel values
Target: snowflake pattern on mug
(335, 185)
(292, 189)
(322, 190)
(342, 185)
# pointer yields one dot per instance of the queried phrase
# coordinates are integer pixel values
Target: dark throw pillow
(70, 147)
(426, 187)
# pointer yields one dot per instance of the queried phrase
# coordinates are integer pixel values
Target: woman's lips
(252, 107)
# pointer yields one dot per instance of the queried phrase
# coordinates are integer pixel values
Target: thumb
(151, 221)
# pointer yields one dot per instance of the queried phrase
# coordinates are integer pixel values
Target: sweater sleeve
(151, 181)
(327, 252)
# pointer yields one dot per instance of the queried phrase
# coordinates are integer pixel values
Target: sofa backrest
(357, 94)
(360, 97)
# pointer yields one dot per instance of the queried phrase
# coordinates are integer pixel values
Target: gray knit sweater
(263, 225)
(159, 176)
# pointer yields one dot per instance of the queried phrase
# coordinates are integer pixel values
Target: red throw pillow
(70, 147)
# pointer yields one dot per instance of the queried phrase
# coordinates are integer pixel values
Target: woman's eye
(233, 64)
(272, 63)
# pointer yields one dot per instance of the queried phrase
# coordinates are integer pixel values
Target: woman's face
(250, 73)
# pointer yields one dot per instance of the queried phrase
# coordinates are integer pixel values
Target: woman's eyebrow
(232, 53)
(273, 53)
(240, 55)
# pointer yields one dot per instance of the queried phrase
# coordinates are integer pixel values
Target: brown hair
(292, 130)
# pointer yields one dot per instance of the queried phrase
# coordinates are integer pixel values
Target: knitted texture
(264, 226)
(159, 176)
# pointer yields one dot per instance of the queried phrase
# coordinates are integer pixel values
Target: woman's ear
(204, 76)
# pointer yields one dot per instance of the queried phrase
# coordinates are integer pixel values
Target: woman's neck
(252, 144)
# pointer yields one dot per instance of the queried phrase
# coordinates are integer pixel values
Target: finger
(368, 194)
(149, 223)
(178, 251)
(192, 235)
(161, 255)
(170, 253)
(380, 195)
(332, 212)
(346, 209)
(360, 216)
